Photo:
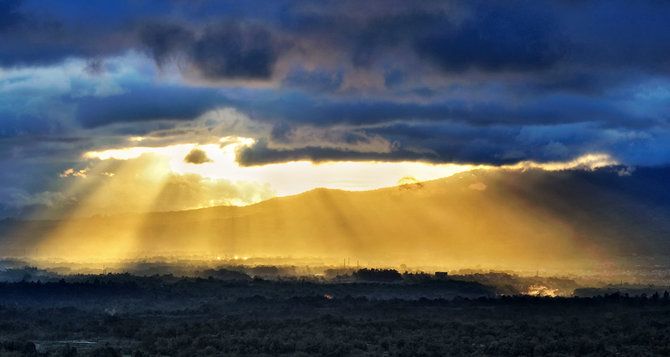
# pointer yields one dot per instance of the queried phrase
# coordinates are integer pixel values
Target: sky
(102, 104)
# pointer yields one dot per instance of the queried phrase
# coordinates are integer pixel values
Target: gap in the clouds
(218, 179)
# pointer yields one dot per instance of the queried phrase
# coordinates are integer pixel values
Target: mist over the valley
(527, 220)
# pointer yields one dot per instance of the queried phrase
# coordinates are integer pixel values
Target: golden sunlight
(286, 178)
(470, 218)
(289, 178)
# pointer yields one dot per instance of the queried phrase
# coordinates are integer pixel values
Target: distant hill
(493, 218)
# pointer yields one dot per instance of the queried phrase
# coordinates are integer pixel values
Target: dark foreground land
(114, 315)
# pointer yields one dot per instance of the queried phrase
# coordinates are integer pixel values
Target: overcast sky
(445, 82)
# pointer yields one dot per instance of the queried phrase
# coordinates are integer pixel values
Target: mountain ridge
(505, 218)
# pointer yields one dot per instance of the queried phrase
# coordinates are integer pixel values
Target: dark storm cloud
(145, 103)
(42, 33)
(466, 81)
(260, 153)
(9, 14)
(499, 37)
(439, 143)
(245, 40)
(230, 50)
(164, 40)
(16, 124)
(302, 108)
(463, 143)
(314, 80)
(149, 102)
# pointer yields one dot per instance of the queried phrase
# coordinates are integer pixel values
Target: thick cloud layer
(443, 81)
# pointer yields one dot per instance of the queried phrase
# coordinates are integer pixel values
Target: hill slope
(497, 218)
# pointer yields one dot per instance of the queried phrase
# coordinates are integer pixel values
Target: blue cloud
(145, 102)
(474, 81)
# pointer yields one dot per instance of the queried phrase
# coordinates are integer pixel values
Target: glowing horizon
(294, 177)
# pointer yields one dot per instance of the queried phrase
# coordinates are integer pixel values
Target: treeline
(215, 280)
(63, 288)
(507, 326)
